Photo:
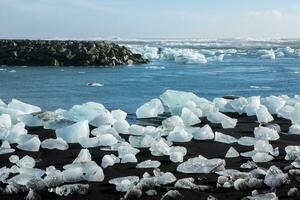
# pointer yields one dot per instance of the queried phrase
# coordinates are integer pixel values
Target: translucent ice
(204, 133)
(263, 116)
(252, 106)
(24, 107)
(128, 158)
(72, 133)
(26, 162)
(170, 123)
(136, 130)
(260, 157)
(295, 115)
(275, 177)
(32, 144)
(201, 165)
(121, 126)
(124, 183)
(294, 129)
(220, 137)
(189, 118)
(72, 189)
(58, 143)
(176, 157)
(232, 153)
(104, 118)
(148, 164)
(179, 135)
(123, 150)
(273, 103)
(218, 117)
(31, 120)
(109, 160)
(5, 125)
(160, 148)
(265, 133)
(118, 115)
(247, 141)
(150, 109)
(292, 152)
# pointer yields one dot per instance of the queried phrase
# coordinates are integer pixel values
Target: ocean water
(208, 68)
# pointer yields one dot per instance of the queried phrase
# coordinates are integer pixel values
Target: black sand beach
(209, 149)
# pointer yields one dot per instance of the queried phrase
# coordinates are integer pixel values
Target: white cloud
(267, 14)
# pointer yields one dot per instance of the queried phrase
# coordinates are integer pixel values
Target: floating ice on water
(268, 54)
(23, 107)
(136, 129)
(204, 133)
(246, 141)
(265, 133)
(32, 144)
(263, 116)
(26, 162)
(201, 165)
(128, 158)
(275, 177)
(52, 143)
(179, 135)
(72, 133)
(292, 152)
(220, 137)
(260, 157)
(121, 126)
(218, 58)
(95, 84)
(232, 153)
(189, 118)
(150, 109)
(273, 103)
(148, 164)
(31, 120)
(124, 183)
(109, 160)
(71, 189)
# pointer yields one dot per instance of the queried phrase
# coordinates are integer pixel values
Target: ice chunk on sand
(260, 157)
(5, 148)
(150, 109)
(5, 125)
(263, 146)
(2, 103)
(121, 127)
(189, 118)
(263, 116)
(136, 129)
(109, 160)
(292, 152)
(295, 115)
(123, 150)
(26, 162)
(32, 144)
(286, 111)
(13, 113)
(275, 177)
(273, 103)
(30, 120)
(124, 183)
(71, 189)
(142, 141)
(148, 164)
(72, 133)
(118, 115)
(104, 118)
(14, 159)
(294, 129)
(252, 106)
(204, 133)
(232, 153)
(16, 131)
(83, 156)
(216, 117)
(23, 107)
(265, 133)
(58, 143)
(179, 135)
(220, 137)
(160, 148)
(128, 158)
(170, 123)
(176, 156)
(104, 129)
(247, 141)
(201, 165)
(238, 105)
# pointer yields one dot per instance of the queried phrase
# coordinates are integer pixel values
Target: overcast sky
(85, 19)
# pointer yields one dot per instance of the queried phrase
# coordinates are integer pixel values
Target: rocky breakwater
(65, 53)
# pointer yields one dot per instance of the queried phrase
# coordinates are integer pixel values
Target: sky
(208, 19)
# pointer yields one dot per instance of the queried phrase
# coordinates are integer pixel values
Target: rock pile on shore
(65, 53)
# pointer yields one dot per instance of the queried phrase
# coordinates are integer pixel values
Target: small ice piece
(13, 113)
(32, 195)
(142, 141)
(170, 123)
(123, 184)
(148, 164)
(104, 129)
(160, 148)
(217, 117)
(275, 177)
(294, 192)
(286, 111)
(133, 193)
(246, 141)
(220, 137)
(121, 126)
(24, 107)
(118, 115)
(32, 144)
(201, 165)
(273, 103)
(123, 150)
(204, 133)
(296, 163)
(263, 146)
(179, 135)
(30, 120)
(52, 143)
(107, 140)
(172, 194)
(104, 118)
(266, 196)
(295, 115)
(238, 105)
(248, 165)
(5, 125)
(71, 189)
(263, 116)
(189, 118)
(128, 158)
(14, 159)
(54, 177)
(294, 129)
(292, 152)
(252, 106)
(83, 156)
(261, 157)
(109, 160)
(265, 133)
(26, 162)
(232, 153)
(2, 103)
(72, 133)
(72, 175)
(176, 157)
(16, 131)
(136, 129)
(150, 109)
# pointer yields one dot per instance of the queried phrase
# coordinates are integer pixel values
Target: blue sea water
(130, 86)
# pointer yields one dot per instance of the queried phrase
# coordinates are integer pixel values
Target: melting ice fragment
(121, 126)
(201, 165)
(32, 144)
(294, 129)
(179, 135)
(26, 162)
(150, 109)
(170, 123)
(71, 189)
(31, 120)
(260, 157)
(232, 153)
(295, 115)
(265, 133)
(189, 118)
(204, 133)
(71, 134)
(123, 184)
(273, 103)
(23, 107)
(148, 164)
(128, 158)
(220, 137)
(275, 177)
(109, 160)
(58, 143)
(263, 116)
(292, 152)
